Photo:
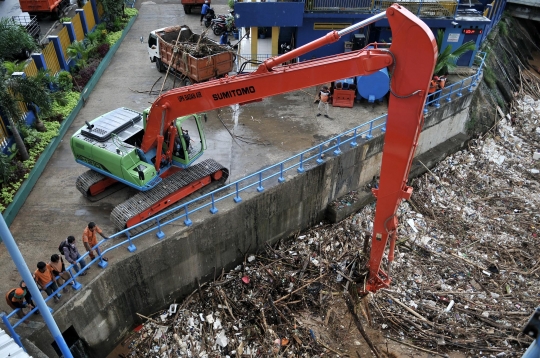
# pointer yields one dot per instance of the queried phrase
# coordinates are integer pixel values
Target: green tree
(446, 61)
(78, 51)
(13, 91)
(114, 9)
(14, 40)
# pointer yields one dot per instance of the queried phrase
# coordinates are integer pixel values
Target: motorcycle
(210, 15)
(223, 24)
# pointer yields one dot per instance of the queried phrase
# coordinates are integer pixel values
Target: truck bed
(199, 59)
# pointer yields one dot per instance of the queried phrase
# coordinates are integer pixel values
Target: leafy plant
(5, 168)
(65, 81)
(12, 67)
(103, 49)
(231, 3)
(14, 40)
(14, 90)
(489, 77)
(65, 19)
(113, 37)
(446, 61)
(71, 99)
(130, 12)
(78, 51)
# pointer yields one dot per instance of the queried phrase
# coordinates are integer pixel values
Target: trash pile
(466, 276)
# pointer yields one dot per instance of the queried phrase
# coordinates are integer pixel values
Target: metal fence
(65, 41)
(254, 183)
(89, 15)
(77, 25)
(51, 60)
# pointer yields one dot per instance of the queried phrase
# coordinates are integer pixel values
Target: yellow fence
(100, 10)
(89, 14)
(79, 33)
(3, 134)
(64, 41)
(31, 69)
(50, 58)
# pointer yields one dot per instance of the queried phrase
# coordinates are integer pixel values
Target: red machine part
(411, 60)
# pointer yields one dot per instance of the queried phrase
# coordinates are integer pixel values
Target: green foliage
(64, 109)
(490, 78)
(5, 168)
(30, 135)
(12, 67)
(65, 19)
(231, 3)
(130, 12)
(27, 89)
(113, 37)
(65, 81)
(79, 52)
(113, 9)
(446, 61)
(503, 27)
(14, 39)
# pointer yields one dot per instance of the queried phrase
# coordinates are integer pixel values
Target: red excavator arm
(411, 60)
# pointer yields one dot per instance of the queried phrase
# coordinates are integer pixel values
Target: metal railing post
(338, 150)
(102, 263)
(213, 209)
(459, 94)
(281, 179)
(301, 167)
(237, 199)
(76, 285)
(159, 234)
(369, 135)
(131, 247)
(353, 143)
(320, 159)
(260, 188)
(11, 331)
(187, 221)
(383, 128)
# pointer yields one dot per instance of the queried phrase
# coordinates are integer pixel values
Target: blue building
(295, 23)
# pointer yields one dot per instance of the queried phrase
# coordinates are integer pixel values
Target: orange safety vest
(432, 86)
(442, 82)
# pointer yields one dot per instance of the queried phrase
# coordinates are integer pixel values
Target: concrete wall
(161, 271)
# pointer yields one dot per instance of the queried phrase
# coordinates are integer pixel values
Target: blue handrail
(311, 157)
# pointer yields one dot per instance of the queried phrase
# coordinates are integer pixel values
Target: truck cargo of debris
(195, 57)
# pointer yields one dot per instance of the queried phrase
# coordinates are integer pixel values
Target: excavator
(149, 151)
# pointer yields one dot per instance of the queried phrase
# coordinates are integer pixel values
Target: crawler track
(145, 200)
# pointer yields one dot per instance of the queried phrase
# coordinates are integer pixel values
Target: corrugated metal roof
(8, 347)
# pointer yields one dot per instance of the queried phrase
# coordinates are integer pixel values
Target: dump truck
(188, 4)
(43, 8)
(196, 60)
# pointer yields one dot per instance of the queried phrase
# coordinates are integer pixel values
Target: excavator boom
(411, 59)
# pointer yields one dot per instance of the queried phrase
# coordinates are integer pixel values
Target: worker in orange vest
(441, 83)
(433, 87)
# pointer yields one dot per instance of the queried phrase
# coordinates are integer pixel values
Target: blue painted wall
(264, 14)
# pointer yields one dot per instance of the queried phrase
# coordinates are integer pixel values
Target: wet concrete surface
(264, 133)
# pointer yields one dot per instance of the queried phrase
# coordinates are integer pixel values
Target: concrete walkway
(267, 132)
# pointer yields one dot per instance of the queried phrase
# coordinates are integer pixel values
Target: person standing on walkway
(433, 86)
(59, 269)
(46, 280)
(15, 299)
(72, 255)
(324, 97)
(90, 239)
(204, 10)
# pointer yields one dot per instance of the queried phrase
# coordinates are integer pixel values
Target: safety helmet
(19, 293)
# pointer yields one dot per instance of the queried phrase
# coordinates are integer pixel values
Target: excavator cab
(190, 142)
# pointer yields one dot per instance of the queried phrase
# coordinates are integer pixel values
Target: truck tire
(187, 9)
(159, 65)
(188, 82)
